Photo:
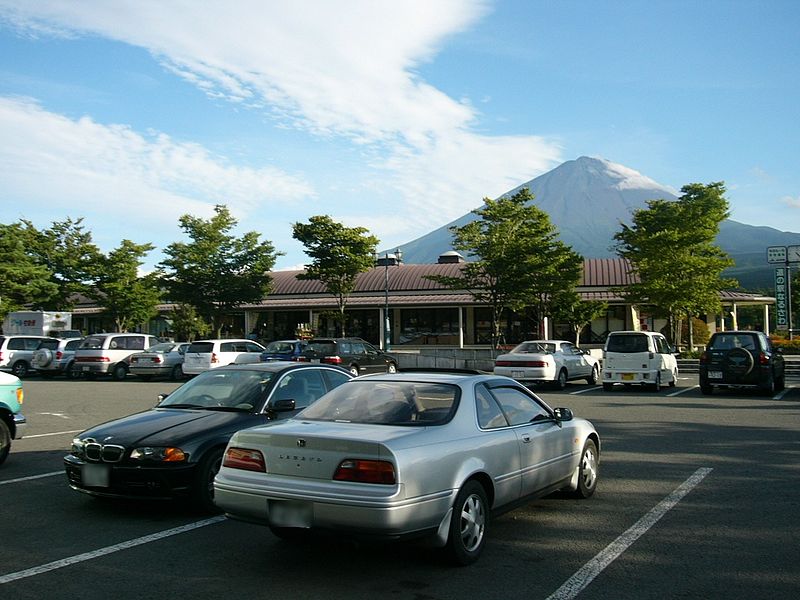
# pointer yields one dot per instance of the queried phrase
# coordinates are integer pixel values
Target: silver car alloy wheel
(588, 472)
(473, 522)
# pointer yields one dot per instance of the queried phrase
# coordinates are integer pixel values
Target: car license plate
(315, 360)
(287, 513)
(627, 377)
(715, 374)
(96, 475)
(84, 368)
(517, 374)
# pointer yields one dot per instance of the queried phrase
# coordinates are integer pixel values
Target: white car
(548, 361)
(203, 355)
(638, 358)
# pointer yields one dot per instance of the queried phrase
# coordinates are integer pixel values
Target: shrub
(788, 346)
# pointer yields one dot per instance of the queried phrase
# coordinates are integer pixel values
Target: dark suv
(741, 359)
(354, 354)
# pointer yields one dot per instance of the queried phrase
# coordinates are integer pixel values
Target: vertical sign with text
(781, 299)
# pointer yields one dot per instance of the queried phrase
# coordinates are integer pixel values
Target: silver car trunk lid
(316, 449)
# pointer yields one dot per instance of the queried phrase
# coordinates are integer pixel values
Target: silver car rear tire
(588, 471)
(468, 524)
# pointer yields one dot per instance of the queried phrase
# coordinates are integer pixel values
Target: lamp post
(387, 260)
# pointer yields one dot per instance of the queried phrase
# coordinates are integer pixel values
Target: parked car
(354, 354)
(162, 360)
(283, 350)
(741, 359)
(548, 361)
(175, 449)
(638, 358)
(109, 353)
(16, 353)
(203, 355)
(12, 421)
(406, 455)
(56, 357)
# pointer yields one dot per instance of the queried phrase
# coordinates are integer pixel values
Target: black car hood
(169, 426)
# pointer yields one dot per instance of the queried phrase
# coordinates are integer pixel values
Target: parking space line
(584, 390)
(29, 478)
(683, 390)
(586, 574)
(38, 435)
(65, 562)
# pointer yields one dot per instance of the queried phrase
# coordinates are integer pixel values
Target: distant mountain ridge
(587, 199)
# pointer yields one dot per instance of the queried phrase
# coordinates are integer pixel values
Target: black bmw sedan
(174, 450)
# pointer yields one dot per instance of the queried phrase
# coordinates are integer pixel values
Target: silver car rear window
(387, 403)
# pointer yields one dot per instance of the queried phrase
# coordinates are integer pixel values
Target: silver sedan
(408, 455)
(161, 360)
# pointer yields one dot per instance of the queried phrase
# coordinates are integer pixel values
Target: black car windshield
(240, 389)
(386, 403)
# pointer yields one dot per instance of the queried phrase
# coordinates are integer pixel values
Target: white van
(638, 357)
(109, 353)
(203, 355)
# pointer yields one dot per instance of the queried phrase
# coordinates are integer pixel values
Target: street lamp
(386, 261)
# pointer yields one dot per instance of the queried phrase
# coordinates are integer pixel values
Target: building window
(422, 326)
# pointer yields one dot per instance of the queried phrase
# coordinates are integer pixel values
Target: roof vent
(450, 257)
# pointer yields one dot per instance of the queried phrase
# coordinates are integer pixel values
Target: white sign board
(793, 254)
(776, 254)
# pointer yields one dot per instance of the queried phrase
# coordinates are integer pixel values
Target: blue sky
(395, 116)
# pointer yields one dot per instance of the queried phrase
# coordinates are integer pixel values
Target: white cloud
(333, 68)
(791, 202)
(63, 165)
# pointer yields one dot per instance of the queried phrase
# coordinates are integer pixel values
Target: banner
(781, 299)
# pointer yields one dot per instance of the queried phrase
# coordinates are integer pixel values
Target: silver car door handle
(526, 439)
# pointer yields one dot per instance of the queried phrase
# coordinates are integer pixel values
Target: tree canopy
(217, 271)
(518, 260)
(671, 249)
(129, 298)
(338, 254)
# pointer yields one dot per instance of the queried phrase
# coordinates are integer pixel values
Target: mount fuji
(588, 198)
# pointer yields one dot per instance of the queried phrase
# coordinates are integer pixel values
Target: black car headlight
(159, 454)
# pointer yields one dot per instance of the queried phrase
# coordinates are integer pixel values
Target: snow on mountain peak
(626, 178)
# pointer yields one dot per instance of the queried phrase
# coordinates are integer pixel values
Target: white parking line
(38, 435)
(584, 390)
(65, 562)
(586, 574)
(18, 479)
(683, 390)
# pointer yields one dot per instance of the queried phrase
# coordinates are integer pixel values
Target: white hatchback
(638, 358)
(203, 355)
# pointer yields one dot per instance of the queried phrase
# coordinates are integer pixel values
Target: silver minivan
(109, 353)
(638, 358)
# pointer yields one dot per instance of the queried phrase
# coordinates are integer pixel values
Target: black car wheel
(20, 369)
(768, 387)
(706, 388)
(594, 377)
(177, 373)
(391, 368)
(120, 372)
(203, 489)
(354, 370)
(608, 387)
(588, 471)
(5, 441)
(656, 385)
(72, 372)
(468, 524)
(561, 380)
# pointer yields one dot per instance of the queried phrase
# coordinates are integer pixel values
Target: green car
(12, 422)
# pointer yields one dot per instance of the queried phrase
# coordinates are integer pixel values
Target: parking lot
(698, 498)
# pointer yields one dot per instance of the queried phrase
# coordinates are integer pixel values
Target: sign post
(788, 256)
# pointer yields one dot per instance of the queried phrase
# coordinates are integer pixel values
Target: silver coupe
(403, 455)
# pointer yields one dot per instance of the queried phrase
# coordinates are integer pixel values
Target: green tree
(68, 252)
(671, 250)
(24, 282)
(568, 307)
(216, 271)
(338, 254)
(129, 298)
(187, 324)
(519, 262)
